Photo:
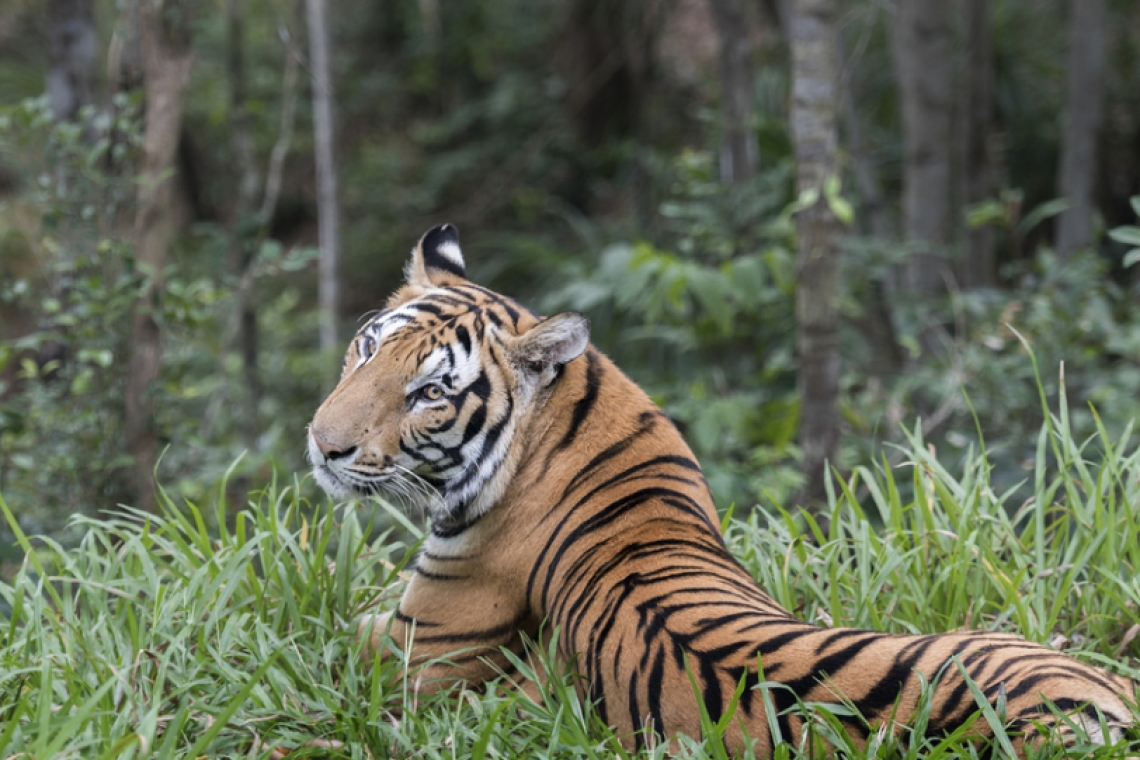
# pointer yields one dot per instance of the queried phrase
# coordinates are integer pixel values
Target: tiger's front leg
(453, 632)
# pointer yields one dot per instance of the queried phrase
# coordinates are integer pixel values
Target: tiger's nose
(330, 450)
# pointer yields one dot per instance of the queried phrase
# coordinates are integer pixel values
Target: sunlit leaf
(1128, 235)
(1041, 213)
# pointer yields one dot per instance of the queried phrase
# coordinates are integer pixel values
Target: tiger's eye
(433, 392)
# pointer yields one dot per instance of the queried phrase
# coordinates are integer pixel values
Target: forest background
(174, 292)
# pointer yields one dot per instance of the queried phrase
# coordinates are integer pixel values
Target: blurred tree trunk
(124, 56)
(245, 222)
(72, 56)
(775, 13)
(925, 76)
(739, 157)
(276, 168)
(979, 265)
(606, 53)
(1082, 123)
(815, 138)
(328, 205)
(872, 204)
(166, 61)
(877, 323)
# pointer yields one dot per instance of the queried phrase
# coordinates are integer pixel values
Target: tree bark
(328, 206)
(775, 13)
(925, 76)
(246, 224)
(73, 54)
(1084, 112)
(167, 62)
(815, 139)
(979, 265)
(739, 156)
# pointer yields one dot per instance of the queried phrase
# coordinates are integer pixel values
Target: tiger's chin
(331, 484)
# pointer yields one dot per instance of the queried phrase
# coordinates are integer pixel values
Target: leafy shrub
(62, 398)
(705, 322)
(706, 325)
(1080, 326)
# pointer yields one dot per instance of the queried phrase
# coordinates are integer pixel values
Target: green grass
(227, 634)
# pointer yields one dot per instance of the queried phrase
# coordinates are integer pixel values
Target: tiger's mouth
(340, 476)
(339, 482)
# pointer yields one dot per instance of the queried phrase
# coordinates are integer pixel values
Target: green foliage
(1069, 313)
(487, 115)
(706, 326)
(61, 408)
(720, 296)
(1055, 560)
(168, 631)
(1129, 235)
(61, 402)
(207, 415)
(228, 633)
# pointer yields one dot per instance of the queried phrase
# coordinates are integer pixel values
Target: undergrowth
(227, 633)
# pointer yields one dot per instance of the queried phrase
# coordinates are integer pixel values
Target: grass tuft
(187, 634)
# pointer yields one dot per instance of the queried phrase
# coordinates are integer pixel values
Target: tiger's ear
(437, 260)
(557, 340)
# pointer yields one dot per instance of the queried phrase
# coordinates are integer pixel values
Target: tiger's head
(436, 388)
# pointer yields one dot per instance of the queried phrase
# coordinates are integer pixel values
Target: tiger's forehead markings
(406, 319)
(469, 310)
(426, 312)
(447, 364)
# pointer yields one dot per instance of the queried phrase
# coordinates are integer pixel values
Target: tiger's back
(563, 499)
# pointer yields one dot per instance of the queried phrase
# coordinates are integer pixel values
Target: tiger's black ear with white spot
(437, 260)
(557, 340)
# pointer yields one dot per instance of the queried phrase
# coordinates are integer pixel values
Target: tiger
(562, 499)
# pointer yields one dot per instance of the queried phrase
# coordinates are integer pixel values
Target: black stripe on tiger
(584, 405)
